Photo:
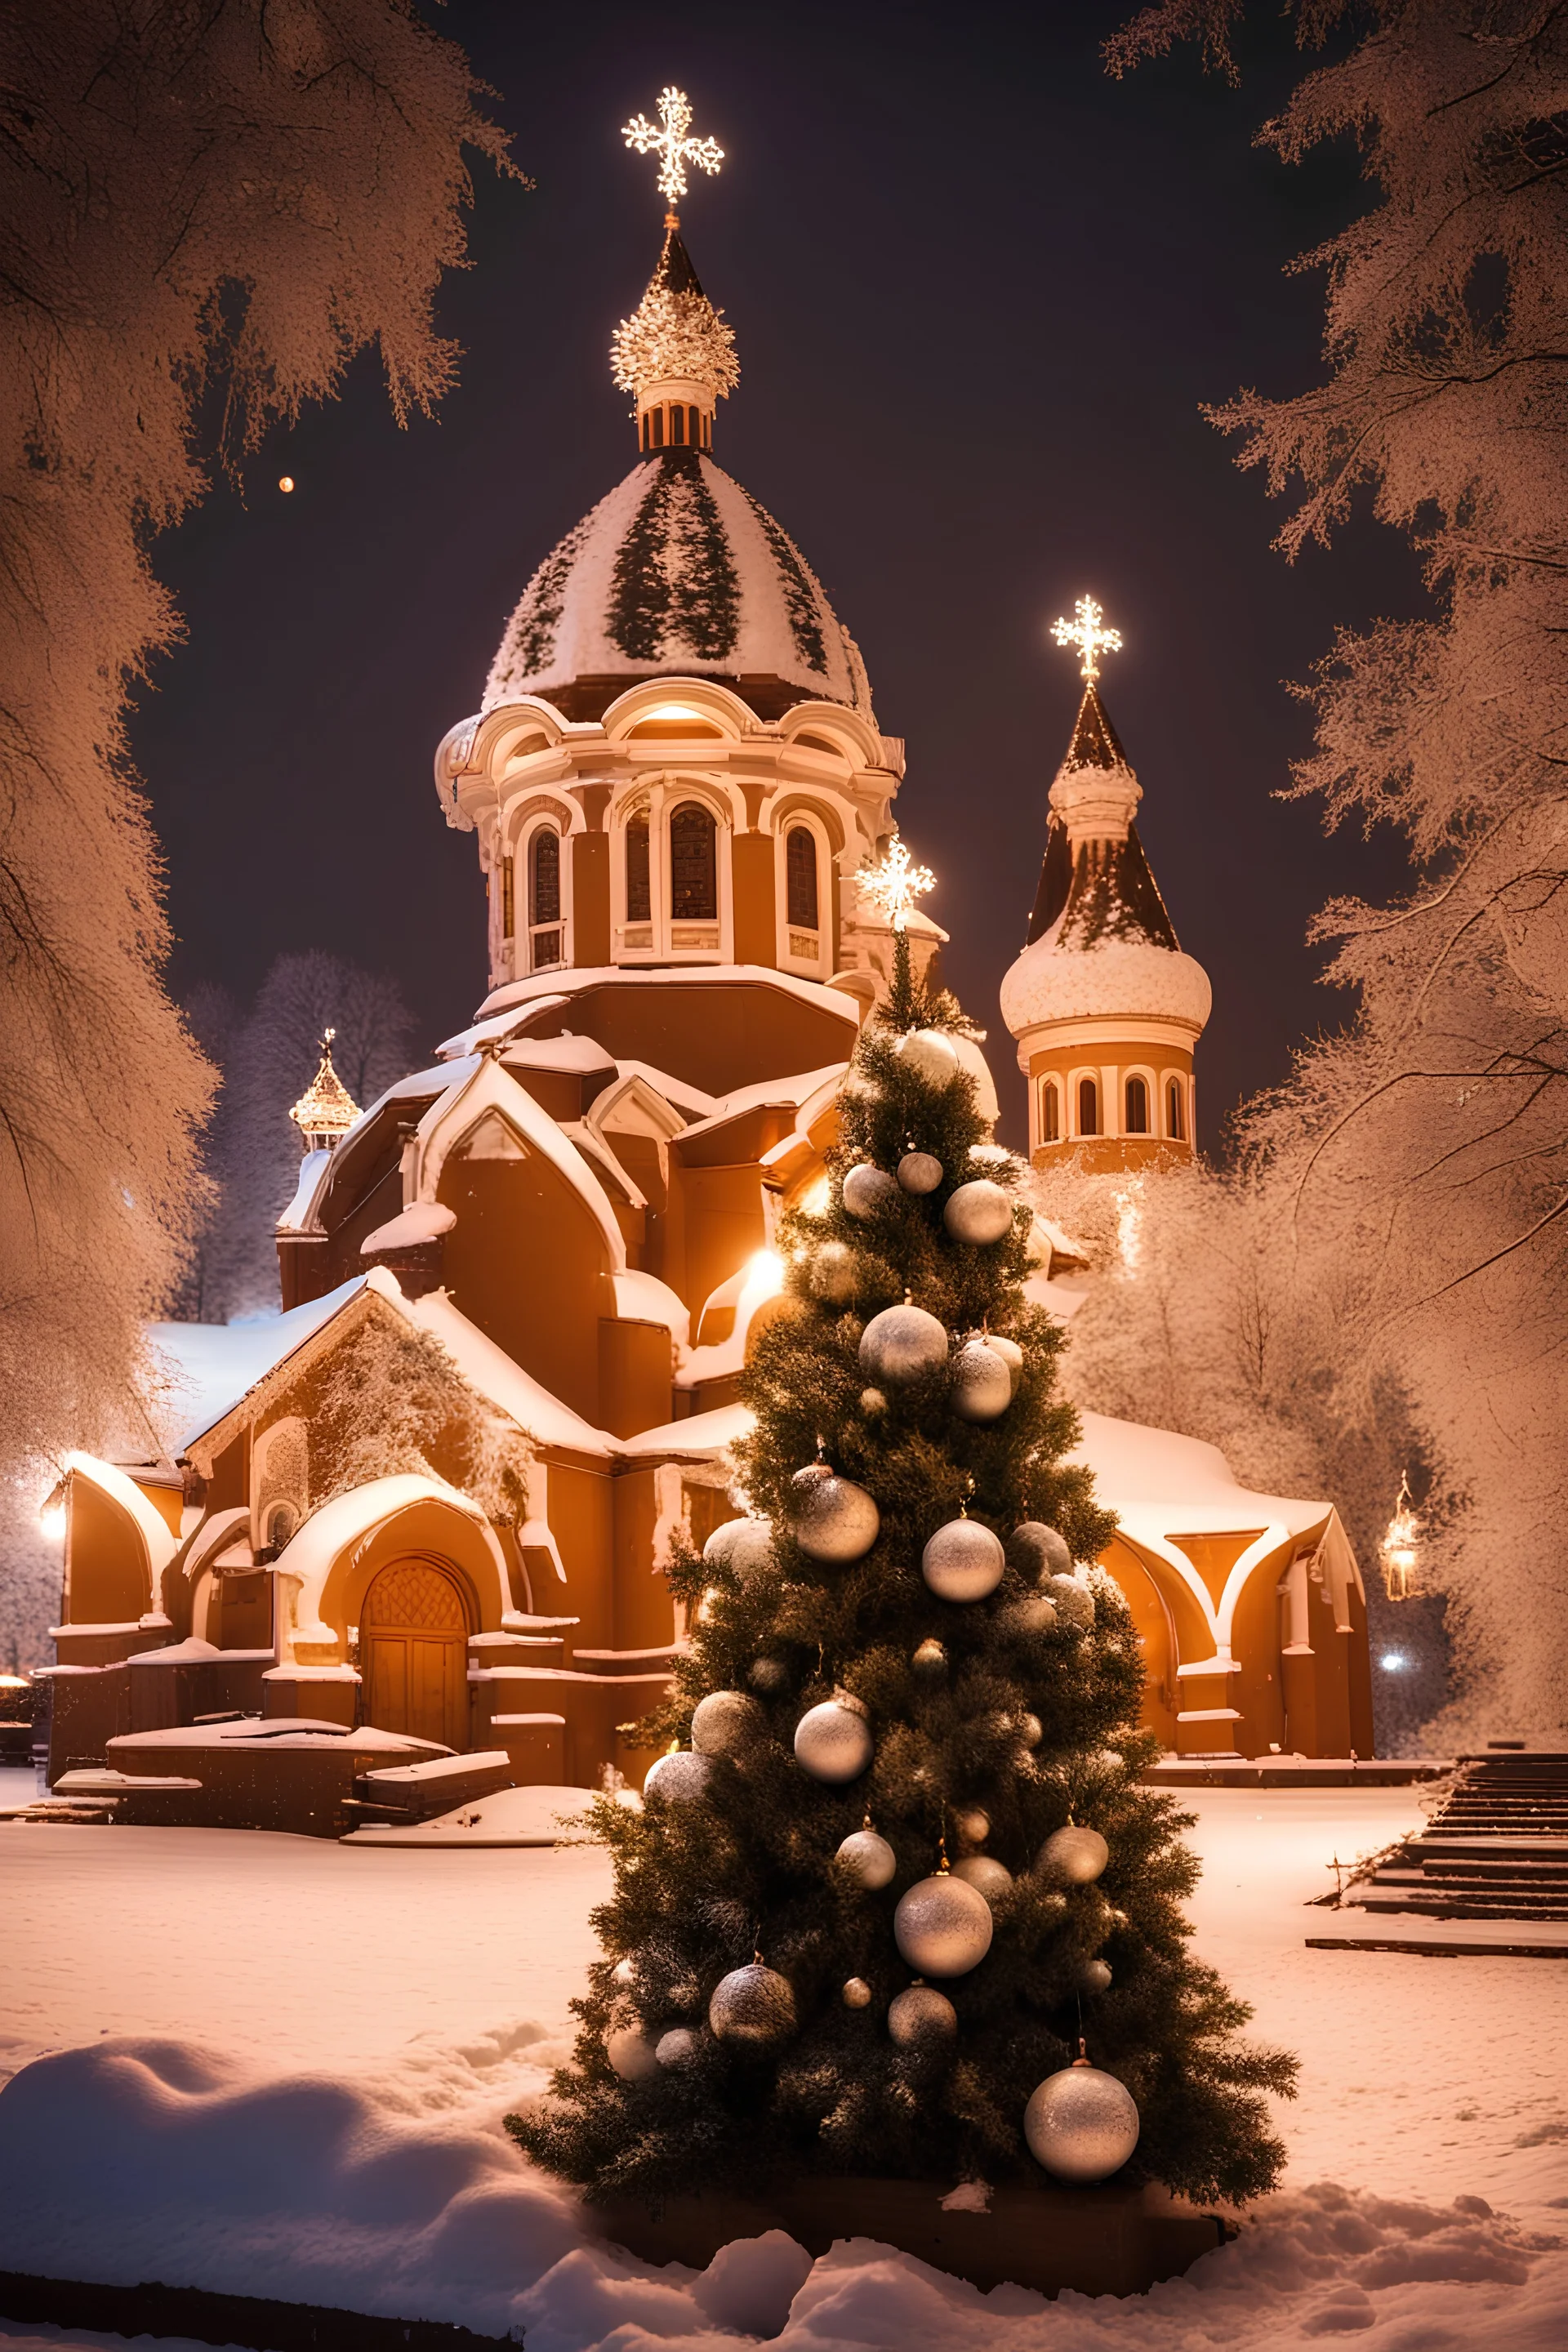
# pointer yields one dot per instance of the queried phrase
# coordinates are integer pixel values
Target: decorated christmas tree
(897, 1903)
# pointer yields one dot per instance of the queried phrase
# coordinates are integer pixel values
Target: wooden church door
(414, 1653)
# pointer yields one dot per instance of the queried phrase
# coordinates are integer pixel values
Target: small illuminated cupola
(1105, 1006)
(326, 1110)
(675, 355)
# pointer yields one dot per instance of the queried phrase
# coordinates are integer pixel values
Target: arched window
(281, 1521)
(544, 899)
(1137, 1106)
(800, 877)
(639, 889)
(1175, 1120)
(658, 428)
(693, 864)
(1088, 1106)
(678, 425)
(1050, 1112)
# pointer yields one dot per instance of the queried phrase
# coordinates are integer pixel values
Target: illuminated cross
(1085, 633)
(671, 144)
(896, 883)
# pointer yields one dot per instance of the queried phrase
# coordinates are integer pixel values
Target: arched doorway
(413, 1653)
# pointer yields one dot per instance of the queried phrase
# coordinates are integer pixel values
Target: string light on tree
(896, 882)
(671, 143)
(1398, 1547)
(1085, 633)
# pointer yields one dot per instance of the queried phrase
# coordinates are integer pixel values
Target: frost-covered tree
(267, 1059)
(1202, 1315)
(1429, 1142)
(195, 199)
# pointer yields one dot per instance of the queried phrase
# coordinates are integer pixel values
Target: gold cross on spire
(1085, 633)
(896, 883)
(670, 143)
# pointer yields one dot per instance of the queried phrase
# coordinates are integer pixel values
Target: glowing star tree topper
(1085, 633)
(896, 883)
(670, 143)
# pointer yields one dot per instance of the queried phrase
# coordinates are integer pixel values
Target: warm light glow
(1398, 1547)
(13, 1682)
(764, 1278)
(815, 1200)
(1393, 1662)
(326, 1109)
(1086, 634)
(896, 883)
(285, 482)
(52, 1519)
(670, 142)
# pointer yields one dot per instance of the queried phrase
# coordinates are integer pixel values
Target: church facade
(561, 1231)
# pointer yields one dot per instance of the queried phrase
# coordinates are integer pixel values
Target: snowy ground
(273, 2065)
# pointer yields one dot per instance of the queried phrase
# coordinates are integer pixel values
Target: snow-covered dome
(677, 571)
(1128, 979)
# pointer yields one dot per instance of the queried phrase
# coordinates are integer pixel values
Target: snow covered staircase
(1496, 1851)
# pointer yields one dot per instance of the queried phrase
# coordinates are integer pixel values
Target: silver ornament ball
(754, 2004)
(1081, 2125)
(631, 2053)
(835, 1520)
(867, 1190)
(931, 1055)
(855, 1993)
(1073, 1857)
(942, 1926)
(726, 1723)
(832, 1273)
(920, 1173)
(972, 1824)
(873, 1403)
(981, 1383)
(1037, 1550)
(752, 1551)
(679, 2046)
(869, 1859)
(721, 1543)
(768, 1674)
(679, 1779)
(921, 2018)
(833, 1742)
(1094, 1976)
(1031, 1731)
(988, 1876)
(978, 1212)
(903, 1344)
(963, 1562)
(1011, 1355)
(1074, 1600)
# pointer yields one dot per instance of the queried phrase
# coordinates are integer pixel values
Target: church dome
(679, 572)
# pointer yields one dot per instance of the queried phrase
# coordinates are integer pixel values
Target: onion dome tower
(1106, 1008)
(676, 764)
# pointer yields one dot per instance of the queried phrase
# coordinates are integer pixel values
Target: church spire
(674, 354)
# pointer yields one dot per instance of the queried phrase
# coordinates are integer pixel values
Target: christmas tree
(897, 1877)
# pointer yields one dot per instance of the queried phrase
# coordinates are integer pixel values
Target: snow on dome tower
(1106, 1008)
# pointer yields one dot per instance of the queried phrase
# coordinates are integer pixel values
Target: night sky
(979, 292)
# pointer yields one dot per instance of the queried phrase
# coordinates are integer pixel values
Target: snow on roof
(312, 1168)
(564, 1053)
(1179, 1484)
(489, 1089)
(311, 1550)
(643, 1298)
(215, 1365)
(1118, 978)
(490, 1370)
(160, 1541)
(500, 1024)
(795, 1089)
(702, 1436)
(558, 985)
(422, 1220)
(676, 570)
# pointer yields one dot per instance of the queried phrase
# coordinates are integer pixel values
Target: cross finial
(670, 143)
(896, 883)
(1085, 633)
(327, 1036)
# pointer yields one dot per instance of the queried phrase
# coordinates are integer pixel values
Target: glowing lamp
(1398, 1548)
(52, 1520)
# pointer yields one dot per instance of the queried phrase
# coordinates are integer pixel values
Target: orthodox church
(560, 1231)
